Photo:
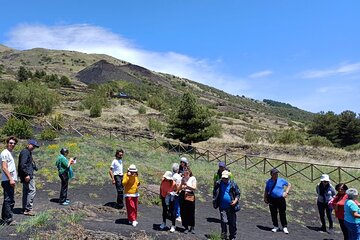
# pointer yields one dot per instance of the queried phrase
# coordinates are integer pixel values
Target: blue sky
(306, 53)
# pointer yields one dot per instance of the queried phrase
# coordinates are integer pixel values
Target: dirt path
(252, 223)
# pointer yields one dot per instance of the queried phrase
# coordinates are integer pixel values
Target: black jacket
(234, 193)
(26, 165)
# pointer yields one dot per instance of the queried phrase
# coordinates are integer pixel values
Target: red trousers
(131, 207)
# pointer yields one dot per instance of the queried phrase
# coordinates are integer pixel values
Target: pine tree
(22, 74)
(191, 123)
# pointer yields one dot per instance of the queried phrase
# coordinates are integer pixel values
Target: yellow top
(131, 184)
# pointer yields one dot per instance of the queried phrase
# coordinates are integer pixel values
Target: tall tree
(22, 74)
(191, 122)
(349, 128)
(325, 125)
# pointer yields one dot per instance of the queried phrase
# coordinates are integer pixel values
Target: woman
(131, 184)
(338, 205)
(325, 192)
(167, 188)
(65, 173)
(352, 214)
(177, 179)
(184, 163)
(187, 201)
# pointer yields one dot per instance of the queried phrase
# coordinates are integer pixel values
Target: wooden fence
(287, 168)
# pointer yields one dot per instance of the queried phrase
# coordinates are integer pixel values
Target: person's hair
(11, 138)
(189, 170)
(118, 151)
(175, 167)
(341, 185)
(352, 192)
(63, 151)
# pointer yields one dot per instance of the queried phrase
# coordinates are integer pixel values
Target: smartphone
(74, 160)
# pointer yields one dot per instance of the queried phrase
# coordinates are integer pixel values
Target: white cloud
(93, 39)
(343, 69)
(335, 89)
(261, 74)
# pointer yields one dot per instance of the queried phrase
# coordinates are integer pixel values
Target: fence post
(225, 158)
(339, 172)
(286, 168)
(245, 162)
(264, 165)
(312, 172)
(208, 155)
(110, 134)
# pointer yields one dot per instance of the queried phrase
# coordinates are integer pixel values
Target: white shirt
(117, 167)
(6, 156)
(191, 182)
(177, 178)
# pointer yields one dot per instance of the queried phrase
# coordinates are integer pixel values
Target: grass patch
(40, 220)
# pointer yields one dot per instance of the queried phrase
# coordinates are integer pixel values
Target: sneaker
(172, 229)
(275, 229)
(192, 230)
(134, 223)
(285, 230)
(64, 203)
(29, 213)
(67, 200)
(162, 226)
(178, 219)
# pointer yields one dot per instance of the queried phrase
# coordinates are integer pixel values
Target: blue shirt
(225, 198)
(278, 190)
(349, 208)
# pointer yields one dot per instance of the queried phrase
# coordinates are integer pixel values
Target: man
(116, 174)
(26, 170)
(9, 176)
(217, 175)
(226, 196)
(275, 195)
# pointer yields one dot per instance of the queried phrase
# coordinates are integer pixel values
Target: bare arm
(287, 189)
(112, 176)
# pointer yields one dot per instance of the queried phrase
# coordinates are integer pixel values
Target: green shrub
(24, 111)
(155, 103)
(156, 126)
(57, 120)
(319, 141)
(17, 127)
(142, 110)
(7, 89)
(252, 136)
(290, 136)
(95, 110)
(36, 96)
(48, 134)
(354, 147)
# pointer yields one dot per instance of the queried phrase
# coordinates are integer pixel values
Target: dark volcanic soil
(105, 222)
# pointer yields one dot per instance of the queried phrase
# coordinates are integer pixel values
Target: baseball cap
(273, 171)
(34, 143)
(225, 174)
(222, 164)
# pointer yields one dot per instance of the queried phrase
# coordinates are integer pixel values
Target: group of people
(344, 201)
(9, 177)
(177, 193)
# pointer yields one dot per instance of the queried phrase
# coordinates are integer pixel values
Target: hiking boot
(178, 219)
(134, 223)
(162, 226)
(275, 229)
(285, 230)
(172, 229)
(29, 213)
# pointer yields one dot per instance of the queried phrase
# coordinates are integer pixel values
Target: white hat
(325, 178)
(168, 175)
(132, 168)
(225, 174)
(184, 159)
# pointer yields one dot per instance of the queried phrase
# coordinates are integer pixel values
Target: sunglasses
(12, 143)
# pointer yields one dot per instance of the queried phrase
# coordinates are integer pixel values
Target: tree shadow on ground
(264, 228)
(213, 220)
(317, 229)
